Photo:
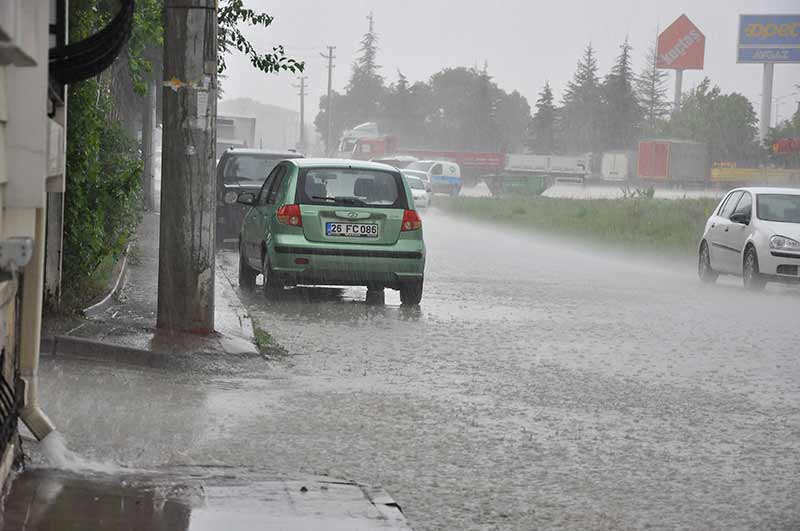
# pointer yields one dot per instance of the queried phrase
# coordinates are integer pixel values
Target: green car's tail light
(290, 215)
(411, 221)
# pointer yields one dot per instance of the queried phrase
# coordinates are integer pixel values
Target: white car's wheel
(704, 270)
(751, 275)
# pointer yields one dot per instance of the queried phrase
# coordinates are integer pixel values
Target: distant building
(235, 132)
(275, 127)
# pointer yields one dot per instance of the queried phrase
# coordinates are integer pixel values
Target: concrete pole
(303, 113)
(676, 105)
(329, 111)
(188, 189)
(148, 126)
(766, 100)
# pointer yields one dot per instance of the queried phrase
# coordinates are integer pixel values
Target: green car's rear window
(351, 187)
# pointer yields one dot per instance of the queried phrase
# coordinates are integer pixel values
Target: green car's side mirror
(246, 198)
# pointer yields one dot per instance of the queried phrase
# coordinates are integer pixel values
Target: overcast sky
(525, 42)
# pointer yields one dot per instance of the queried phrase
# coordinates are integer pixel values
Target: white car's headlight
(783, 243)
(230, 197)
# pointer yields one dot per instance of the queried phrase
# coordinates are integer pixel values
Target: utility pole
(329, 111)
(188, 188)
(302, 94)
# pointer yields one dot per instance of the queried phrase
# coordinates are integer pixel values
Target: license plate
(352, 230)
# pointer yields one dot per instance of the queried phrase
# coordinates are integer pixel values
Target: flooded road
(540, 385)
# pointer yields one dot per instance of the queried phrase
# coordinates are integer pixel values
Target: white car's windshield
(783, 208)
(415, 184)
(420, 166)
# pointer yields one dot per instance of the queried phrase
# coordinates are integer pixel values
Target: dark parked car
(241, 170)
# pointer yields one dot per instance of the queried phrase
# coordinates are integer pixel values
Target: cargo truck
(618, 165)
(533, 174)
(676, 162)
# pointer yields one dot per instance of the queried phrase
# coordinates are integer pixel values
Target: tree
(339, 118)
(622, 113)
(231, 16)
(651, 89)
(542, 137)
(787, 129)
(727, 123)
(402, 111)
(366, 89)
(582, 110)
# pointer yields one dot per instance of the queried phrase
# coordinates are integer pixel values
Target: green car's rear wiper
(341, 199)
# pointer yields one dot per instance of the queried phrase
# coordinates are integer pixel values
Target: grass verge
(266, 343)
(663, 226)
(92, 288)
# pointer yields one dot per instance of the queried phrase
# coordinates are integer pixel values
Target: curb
(96, 309)
(77, 347)
(93, 349)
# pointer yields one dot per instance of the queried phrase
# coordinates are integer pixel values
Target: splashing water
(54, 447)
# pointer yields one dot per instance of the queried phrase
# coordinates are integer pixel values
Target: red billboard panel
(681, 46)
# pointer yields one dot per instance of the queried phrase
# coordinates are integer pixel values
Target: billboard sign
(681, 46)
(769, 39)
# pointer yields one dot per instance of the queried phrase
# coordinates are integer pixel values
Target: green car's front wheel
(247, 275)
(411, 294)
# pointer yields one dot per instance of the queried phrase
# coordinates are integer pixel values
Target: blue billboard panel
(769, 39)
(769, 55)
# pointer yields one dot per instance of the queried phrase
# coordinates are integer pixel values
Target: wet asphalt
(541, 384)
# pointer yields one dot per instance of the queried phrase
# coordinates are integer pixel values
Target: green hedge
(103, 189)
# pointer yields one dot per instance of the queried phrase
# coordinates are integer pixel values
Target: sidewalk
(128, 324)
(195, 500)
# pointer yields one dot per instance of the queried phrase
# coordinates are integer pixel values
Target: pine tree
(543, 134)
(623, 115)
(365, 89)
(651, 88)
(582, 110)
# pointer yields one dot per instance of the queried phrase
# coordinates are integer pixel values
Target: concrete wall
(25, 138)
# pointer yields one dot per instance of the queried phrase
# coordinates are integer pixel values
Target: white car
(421, 195)
(444, 176)
(753, 233)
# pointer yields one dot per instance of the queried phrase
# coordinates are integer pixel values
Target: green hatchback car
(333, 222)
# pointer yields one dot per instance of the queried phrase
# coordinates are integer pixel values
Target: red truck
(473, 164)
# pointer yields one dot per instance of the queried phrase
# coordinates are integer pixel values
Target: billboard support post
(682, 46)
(678, 91)
(766, 100)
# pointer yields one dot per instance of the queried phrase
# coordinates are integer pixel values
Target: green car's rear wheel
(411, 294)
(273, 286)
(375, 296)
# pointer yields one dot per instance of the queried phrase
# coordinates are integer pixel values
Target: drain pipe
(30, 340)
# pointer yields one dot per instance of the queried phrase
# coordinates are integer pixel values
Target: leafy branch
(230, 37)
